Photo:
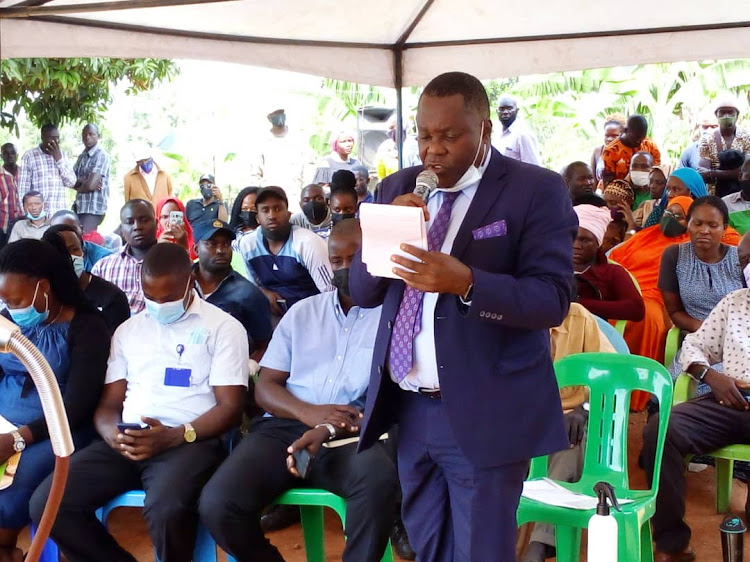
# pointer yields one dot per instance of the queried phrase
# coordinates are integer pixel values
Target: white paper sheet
(6, 426)
(551, 493)
(384, 229)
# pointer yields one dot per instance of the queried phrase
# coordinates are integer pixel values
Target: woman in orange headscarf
(169, 231)
(641, 256)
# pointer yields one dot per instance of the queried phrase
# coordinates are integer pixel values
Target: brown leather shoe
(685, 556)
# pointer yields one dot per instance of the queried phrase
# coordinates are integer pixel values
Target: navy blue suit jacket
(496, 377)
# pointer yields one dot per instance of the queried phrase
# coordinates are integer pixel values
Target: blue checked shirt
(94, 161)
(40, 172)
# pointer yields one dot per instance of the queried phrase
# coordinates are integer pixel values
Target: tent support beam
(413, 25)
(31, 3)
(37, 9)
(398, 82)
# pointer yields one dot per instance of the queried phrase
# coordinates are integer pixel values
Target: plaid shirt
(123, 270)
(40, 172)
(94, 161)
(10, 208)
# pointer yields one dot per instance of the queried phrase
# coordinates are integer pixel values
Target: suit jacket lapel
(488, 191)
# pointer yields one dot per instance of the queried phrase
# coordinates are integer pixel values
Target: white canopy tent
(391, 43)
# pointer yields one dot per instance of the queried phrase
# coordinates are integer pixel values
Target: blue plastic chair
(50, 552)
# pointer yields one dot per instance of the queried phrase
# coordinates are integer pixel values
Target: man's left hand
(438, 272)
(575, 425)
(312, 440)
(142, 444)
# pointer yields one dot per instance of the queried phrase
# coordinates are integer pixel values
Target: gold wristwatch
(189, 434)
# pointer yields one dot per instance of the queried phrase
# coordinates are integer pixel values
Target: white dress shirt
(206, 340)
(519, 143)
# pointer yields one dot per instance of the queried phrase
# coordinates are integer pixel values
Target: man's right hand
(343, 416)
(725, 390)
(54, 150)
(412, 200)
(273, 297)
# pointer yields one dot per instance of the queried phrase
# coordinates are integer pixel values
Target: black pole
(398, 75)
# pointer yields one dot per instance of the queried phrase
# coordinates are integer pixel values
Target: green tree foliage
(68, 90)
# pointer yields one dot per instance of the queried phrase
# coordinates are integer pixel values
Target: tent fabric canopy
(382, 42)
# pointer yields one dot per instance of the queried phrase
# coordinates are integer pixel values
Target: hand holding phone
(122, 426)
(303, 462)
(176, 218)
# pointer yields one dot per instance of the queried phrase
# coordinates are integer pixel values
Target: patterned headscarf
(621, 189)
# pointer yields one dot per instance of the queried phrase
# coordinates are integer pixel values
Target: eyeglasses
(679, 217)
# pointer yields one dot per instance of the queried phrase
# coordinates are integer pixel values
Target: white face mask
(746, 273)
(473, 174)
(639, 179)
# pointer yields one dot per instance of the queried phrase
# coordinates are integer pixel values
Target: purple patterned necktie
(409, 318)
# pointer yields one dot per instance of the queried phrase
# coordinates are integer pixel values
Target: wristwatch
(702, 374)
(330, 428)
(189, 434)
(19, 443)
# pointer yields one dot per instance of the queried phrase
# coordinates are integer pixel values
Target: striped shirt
(300, 269)
(10, 207)
(123, 270)
(93, 161)
(40, 172)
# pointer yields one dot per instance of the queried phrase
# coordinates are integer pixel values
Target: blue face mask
(31, 217)
(29, 317)
(78, 265)
(167, 312)
(148, 165)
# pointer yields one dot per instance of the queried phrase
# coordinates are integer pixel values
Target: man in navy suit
(461, 359)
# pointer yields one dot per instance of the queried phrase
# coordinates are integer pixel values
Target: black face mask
(341, 280)
(278, 120)
(671, 227)
(338, 217)
(745, 189)
(315, 211)
(206, 192)
(249, 219)
(281, 234)
(616, 214)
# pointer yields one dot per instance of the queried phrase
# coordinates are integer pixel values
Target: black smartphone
(303, 462)
(122, 426)
(282, 305)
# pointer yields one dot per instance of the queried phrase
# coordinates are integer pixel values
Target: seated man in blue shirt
(316, 366)
(219, 284)
(92, 253)
(287, 262)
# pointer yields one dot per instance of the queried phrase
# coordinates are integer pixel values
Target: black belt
(432, 393)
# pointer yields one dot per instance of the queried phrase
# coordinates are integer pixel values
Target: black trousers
(695, 428)
(172, 480)
(255, 474)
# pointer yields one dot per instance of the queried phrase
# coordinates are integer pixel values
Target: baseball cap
(208, 178)
(272, 191)
(205, 230)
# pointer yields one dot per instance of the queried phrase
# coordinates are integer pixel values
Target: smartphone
(122, 426)
(176, 217)
(303, 462)
(282, 305)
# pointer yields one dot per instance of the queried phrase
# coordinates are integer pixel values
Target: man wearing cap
(208, 209)
(280, 158)
(147, 181)
(728, 137)
(219, 284)
(288, 263)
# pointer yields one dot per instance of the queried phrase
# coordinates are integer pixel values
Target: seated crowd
(194, 315)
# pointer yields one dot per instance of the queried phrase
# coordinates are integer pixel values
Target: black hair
(572, 166)
(93, 126)
(362, 169)
(7, 144)
(133, 202)
(346, 227)
(234, 217)
(589, 199)
(710, 201)
(52, 235)
(65, 213)
(638, 122)
(343, 178)
(453, 83)
(48, 127)
(345, 190)
(29, 194)
(41, 260)
(166, 259)
(644, 153)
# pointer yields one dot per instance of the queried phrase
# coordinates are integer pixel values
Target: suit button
(499, 316)
(390, 325)
(380, 369)
(481, 314)
(493, 316)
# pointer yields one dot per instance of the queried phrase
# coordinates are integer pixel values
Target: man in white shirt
(179, 368)
(706, 423)
(516, 141)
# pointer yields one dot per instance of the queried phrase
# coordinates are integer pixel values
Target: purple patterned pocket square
(493, 230)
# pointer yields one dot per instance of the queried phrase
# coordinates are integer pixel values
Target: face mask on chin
(281, 234)
(473, 174)
(639, 179)
(671, 227)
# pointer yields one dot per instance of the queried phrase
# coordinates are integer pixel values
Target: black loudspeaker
(372, 128)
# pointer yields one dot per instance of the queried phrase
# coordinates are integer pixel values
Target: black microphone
(426, 183)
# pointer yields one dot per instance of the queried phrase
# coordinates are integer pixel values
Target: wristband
(330, 428)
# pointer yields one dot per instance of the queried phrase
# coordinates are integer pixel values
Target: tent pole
(398, 82)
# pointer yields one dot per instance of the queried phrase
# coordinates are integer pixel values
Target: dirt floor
(128, 527)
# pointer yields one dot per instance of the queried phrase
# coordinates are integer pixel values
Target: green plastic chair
(684, 389)
(620, 326)
(671, 346)
(611, 379)
(311, 502)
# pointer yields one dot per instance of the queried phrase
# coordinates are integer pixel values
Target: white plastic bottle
(603, 527)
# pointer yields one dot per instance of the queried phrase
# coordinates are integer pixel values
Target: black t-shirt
(108, 299)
